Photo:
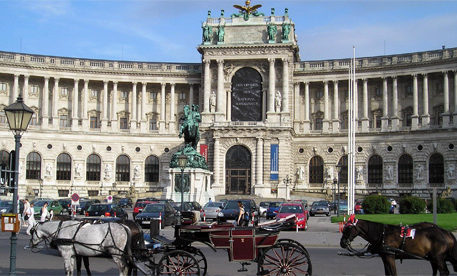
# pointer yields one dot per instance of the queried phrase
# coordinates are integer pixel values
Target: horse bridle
(46, 239)
(363, 235)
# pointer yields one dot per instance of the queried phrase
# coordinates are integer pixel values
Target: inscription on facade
(247, 95)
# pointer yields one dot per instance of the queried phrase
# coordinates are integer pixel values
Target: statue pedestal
(200, 185)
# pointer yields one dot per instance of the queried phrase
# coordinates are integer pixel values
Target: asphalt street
(321, 239)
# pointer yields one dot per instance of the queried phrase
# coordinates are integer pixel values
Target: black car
(231, 211)
(66, 205)
(153, 211)
(106, 210)
(84, 205)
(125, 202)
(188, 206)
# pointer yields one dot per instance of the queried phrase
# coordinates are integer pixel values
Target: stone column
(326, 122)
(259, 168)
(425, 115)
(306, 123)
(336, 110)
(162, 108)
(285, 85)
(446, 114)
(171, 125)
(25, 89)
(220, 86)
(105, 106)
(84, 100)
(74, 106)
(45, 101)
(395, 118)
(114, 125)
(271, 86)
(55, 97)
(365, 119)
(356, 104)
(15, 89)
(454, 119)
(191, 94)
(207, 84)
(415, 116)
(133, 120)
(296, 103)
(385, 106)
(229, 105)
(216, 163)
(143, 119)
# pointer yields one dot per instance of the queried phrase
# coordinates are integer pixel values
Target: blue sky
(170, 31)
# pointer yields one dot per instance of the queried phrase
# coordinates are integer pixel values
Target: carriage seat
(275, 225)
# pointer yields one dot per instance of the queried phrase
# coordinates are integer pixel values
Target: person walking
(30, 214)
(24, 211)
(44, 212)
(241, 216)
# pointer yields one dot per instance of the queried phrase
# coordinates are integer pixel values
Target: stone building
(271, 123)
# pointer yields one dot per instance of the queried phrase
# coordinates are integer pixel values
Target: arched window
(151, 169)
(4, 158)
(63, 167)
(93, 167)
(343, 175)
(405, 169)
(123, 168)
(238, 170)
(33, 167)
(375, 170)
(436, 169)
(316, 170)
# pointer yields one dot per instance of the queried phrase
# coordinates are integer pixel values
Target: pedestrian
(241, 221)
(30, 215)
(26, 207)
(44, 212)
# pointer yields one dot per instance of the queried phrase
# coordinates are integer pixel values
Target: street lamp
(335, 181)
(182, 163)
(19, 116)
(338, 170)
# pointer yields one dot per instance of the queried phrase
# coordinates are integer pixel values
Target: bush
(412, 205)
(444, 205)
(376, 204)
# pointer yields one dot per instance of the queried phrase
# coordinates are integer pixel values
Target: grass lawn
(446, 221)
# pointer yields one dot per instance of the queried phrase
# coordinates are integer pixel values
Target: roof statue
(190, 129)
(247, 10)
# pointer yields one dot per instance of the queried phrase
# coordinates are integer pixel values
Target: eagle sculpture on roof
(247, 9)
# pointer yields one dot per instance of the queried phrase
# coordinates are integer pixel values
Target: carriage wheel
(285, 258)
(198, 255)
(178, 262)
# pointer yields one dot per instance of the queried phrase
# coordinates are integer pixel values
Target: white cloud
(48, 8)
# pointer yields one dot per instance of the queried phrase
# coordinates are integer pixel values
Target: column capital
(220, 61)
(56, 79)
(86, 80)
(144, 83)
(335, 81)
(414, 75)
(207, 61)
(444, 72)
(271, 60)
(305, 82)
(424, 75)
(173, 84)
(16, 76)
(105, 82)
(394, 77)
(163, 84)
(76, 80)
(46, 78)
(134, 83)
(26, 76)
(325, 81)
(115, 83)
(285, 60)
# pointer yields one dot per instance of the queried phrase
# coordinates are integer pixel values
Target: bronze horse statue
(189, 125)
(429, 242)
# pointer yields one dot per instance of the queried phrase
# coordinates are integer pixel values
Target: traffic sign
(75, 197)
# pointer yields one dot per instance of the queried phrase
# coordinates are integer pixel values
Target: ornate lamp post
(338, 170)
(182, 163)
(19, 116)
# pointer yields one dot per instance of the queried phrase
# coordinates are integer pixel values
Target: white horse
(85, 239)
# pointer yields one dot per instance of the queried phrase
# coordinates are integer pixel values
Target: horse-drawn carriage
(157, 255)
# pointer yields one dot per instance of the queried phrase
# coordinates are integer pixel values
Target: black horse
(430, 243)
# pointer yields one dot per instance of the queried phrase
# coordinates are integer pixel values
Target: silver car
(211, 209)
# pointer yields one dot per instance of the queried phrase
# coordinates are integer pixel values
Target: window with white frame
(94, 94)
(64, 91)
(124, 95)
(2, 117)
(3, 86)
(182, 96)
(319, 94)
(34, 90)
(153, 95)
(123, 123)
(63, 121)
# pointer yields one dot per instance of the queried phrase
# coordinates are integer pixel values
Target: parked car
(272, 210)
(358, 209)
(106, 210)
(125, 202)
(343, 207)
(211, 209)
(53, 205)
(231, 211)
(320, 207)
(84, 204)
(287, 209)
(139, 205)
(6, 206)
(263, 206)
(153, 211)
(304, 203)
(66, 205)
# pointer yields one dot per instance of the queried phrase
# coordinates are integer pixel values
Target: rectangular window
(319, 94)
(318, 124)
(94, 122)
(64, 121)
(34, 120)
(92, 192)
(409, 90)
(2, 118)
(123, 123)
(125, 95)
(153, 96)
(182, 96)
(153, 124)
(378, 92)
(3, 86)
(34, 89)
(63, 193)
(64, 92)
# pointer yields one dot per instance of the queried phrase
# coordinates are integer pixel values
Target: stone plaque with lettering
(247, 95)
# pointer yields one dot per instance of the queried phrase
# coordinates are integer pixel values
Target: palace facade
(272, 124)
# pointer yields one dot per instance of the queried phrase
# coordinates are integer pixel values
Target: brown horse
(430, 242)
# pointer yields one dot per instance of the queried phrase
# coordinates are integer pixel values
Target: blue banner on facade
(274, 161)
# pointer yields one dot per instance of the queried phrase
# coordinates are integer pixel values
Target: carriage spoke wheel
(198, 255)
(285, 259)
(178, 262)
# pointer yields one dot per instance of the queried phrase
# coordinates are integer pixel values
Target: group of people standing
(28, 215)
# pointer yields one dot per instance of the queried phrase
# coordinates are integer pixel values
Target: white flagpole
(349, 137)
(353, 130)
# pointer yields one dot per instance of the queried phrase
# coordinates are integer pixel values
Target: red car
(287, 209)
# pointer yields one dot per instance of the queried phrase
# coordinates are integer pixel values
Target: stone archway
(247, 95)
(238, 171)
